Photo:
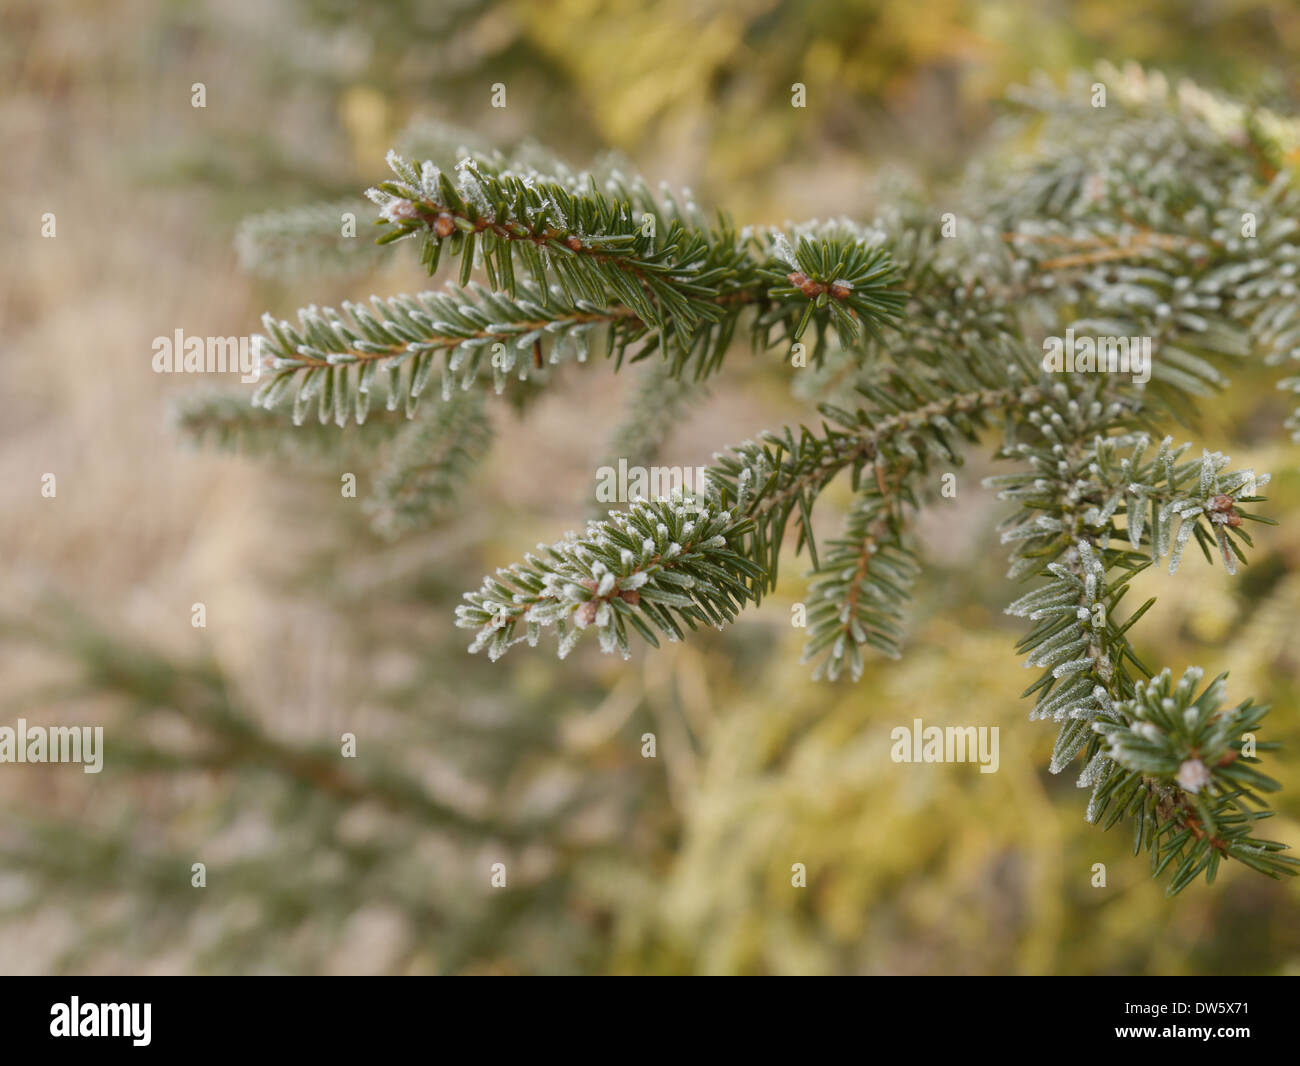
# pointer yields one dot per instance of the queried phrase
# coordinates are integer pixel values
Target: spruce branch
(1165, 220)
(225, 734)
(428, 464)
(1184, 768)
(564, 258)
(305, 241)
(1170, 213)
(338, 357)
(858, 593)
(910, 421)
(603, 247)
(757, 488)
(657, 566)
(1077, 487)
(223, 418)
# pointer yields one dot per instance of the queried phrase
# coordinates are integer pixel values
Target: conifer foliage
(1165, 215)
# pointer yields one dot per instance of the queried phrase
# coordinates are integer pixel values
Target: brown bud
(839, 290)
(805, 284)
(586, 614)
(1234, 520)
(443, 225)
(1221, 503)
(400, 211)
(574, 244)
(631, 596)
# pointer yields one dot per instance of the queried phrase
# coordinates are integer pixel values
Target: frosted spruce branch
(1183, 767)
(1165, 218)
(1095, 511)
(1172, 212)
(566, 261)
(656, 567)
(860, 591)
(760, 487)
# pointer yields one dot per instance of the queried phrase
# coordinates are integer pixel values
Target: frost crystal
(1193, 775)
(468, 186)
(429, 178)
(782, 250)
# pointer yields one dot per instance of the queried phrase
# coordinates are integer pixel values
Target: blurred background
(222, 743)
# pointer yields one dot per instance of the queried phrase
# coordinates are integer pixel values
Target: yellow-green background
(911, 869)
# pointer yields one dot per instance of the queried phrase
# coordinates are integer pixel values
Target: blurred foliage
(222, 748)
